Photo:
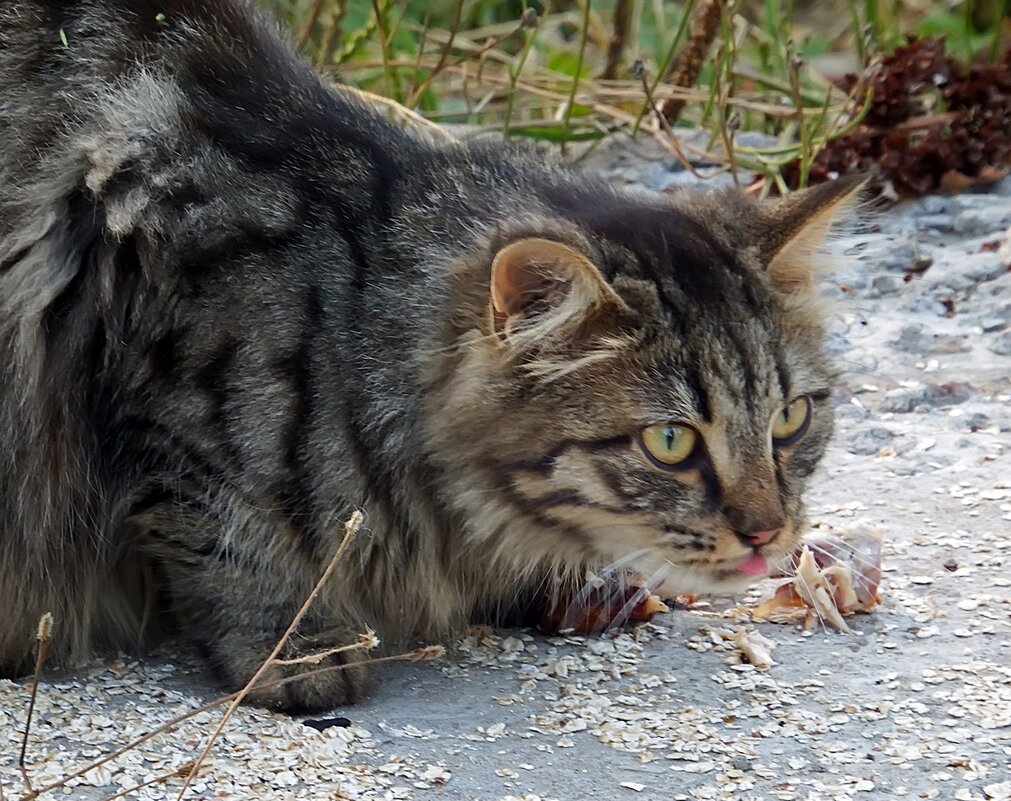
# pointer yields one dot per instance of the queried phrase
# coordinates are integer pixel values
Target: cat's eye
(668, 444)
(790, 424)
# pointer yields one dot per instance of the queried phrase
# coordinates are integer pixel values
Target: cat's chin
(718, 580)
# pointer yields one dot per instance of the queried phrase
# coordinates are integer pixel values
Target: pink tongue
(754, 565)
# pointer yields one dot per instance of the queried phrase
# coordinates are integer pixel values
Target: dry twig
(350, 530)
(43, 636)
(332, 35)
(417, 655)
(308, 23)
(686, 67)
(443, 57)
(616, 46)
(639, 70)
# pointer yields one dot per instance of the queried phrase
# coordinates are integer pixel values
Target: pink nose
(761, 537)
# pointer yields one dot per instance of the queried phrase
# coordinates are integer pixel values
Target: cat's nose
(760, 537)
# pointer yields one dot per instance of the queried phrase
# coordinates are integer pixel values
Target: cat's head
(643, 382)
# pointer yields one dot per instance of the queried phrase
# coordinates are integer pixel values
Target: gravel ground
(916, 703)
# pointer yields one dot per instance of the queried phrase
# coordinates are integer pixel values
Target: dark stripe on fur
(693, 378)
(296, 492)
(214, 379)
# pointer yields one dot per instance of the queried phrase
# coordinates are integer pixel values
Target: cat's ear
(542, 289)
(799, 225)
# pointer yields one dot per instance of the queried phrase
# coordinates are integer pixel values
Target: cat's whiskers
(810, 593)
(589, 585)
(855, 556)
(862, 369)
(638, 597)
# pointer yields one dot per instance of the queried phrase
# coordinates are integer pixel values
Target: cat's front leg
(234, 591)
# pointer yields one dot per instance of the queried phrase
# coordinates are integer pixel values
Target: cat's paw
(309, 676)
(307, 688)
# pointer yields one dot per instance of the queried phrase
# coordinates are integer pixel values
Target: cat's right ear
(800, 223)
(543, 290)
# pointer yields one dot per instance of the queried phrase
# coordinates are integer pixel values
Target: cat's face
(687, 454)
(649, 390)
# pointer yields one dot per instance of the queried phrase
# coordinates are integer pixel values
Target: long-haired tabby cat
(236, 304)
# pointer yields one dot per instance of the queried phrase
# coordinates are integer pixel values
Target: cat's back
(169, 175)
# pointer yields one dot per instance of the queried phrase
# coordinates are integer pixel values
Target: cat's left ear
(799, 225)
(543, 290)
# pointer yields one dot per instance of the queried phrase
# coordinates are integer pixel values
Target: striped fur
(237, 304)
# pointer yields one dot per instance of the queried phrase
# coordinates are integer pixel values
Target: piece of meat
(835, 575)
(603, 604)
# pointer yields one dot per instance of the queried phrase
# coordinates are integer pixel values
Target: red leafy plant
(932, 124)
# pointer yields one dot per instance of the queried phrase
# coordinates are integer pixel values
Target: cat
(236, 305)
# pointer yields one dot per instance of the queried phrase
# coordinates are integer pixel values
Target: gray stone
(993, 324)
(898, 254)
(990, 219)
(974, 421)
(948, 278)
(850, 411)
(982, 266)
(925, 396)
(934, 204)
(754, 139)
(838, 343)
(913, 338)
(937, 222)
(1001, 344)
(869, 441)
(972, 200)
(885, 285)
(917, 338)
(1002, 187)
(964, 269)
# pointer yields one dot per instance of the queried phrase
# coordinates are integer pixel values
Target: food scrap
(836, 575)
(755, 648)
(603, 604)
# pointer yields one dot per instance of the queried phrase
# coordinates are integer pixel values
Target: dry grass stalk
(426, 27)
(309, 23)
(443, 57)
(670, 139)
(332, 34)
(43, 636)
(417, 655)
(437, 131)
(351, 528)
(687, 66)
(729, 123)
(616, 46)
(366, 642)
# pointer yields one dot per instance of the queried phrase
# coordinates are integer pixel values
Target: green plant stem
(443, 58)
(672, 51)
(379, 9)
(584, 36)
(515, 70)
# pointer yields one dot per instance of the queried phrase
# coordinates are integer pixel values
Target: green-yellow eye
(790, 424)
(668, 444)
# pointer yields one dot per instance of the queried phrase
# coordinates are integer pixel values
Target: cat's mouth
(755, 564)
(724, 575)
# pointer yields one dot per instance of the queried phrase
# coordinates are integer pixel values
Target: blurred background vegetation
(568, 71)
